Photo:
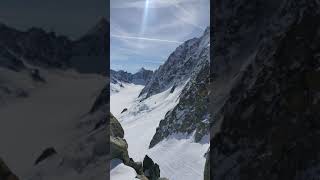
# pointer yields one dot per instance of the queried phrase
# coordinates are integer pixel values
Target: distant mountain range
(142, 77)
(37, 47)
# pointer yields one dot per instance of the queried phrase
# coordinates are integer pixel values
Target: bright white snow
(122, 172)
(178, 158)
(125, 96)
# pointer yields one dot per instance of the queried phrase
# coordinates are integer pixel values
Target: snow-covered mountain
(159, 112)
(183, 64)
(142, 77)
(36, 46)
(90, 50)
(58, 115)
(46, 49)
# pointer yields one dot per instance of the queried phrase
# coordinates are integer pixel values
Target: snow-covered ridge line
(141, 77)
(179, 66)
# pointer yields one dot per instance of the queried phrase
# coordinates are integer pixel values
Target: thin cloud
(169, 23)
(146, 39)
(153, 4)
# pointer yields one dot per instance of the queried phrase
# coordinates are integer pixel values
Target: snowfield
(41, 120)
(178, 156)
(117, 96)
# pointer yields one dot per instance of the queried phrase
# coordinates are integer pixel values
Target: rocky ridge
(141, 77)
(180, 66)
(46, 49)
(191, 113)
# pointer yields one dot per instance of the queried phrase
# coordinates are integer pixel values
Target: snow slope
(129, 91)
(42, 121)
(121, 171)
(179, 158)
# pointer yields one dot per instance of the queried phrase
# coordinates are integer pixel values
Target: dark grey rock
(124, 110)
(6, 173)
(151, 170)
(267, 125)
(48, 152)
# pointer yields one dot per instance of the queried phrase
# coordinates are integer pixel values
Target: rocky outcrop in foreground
(148, 170)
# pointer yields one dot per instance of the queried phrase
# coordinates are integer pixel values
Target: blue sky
(145, 32)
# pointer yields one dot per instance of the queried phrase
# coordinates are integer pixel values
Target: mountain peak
(101, 27)
(142, 69)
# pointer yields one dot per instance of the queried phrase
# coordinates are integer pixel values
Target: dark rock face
(124, 110)
(91, 51)
(46, 49)
(45, 154)
(94, 42)
(9, 60)
(5, 172)
(37, 47)
(151, 170)
(102, 101)
(35, 74)
(119, 146)
(268, 124)
(115, 127)
(207, 168)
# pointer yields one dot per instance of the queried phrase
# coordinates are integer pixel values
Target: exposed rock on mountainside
(9, 61)
(207, 168)
(102, 101)
(150, 169)
(36, 46)
(266, 125)
(5, 172)
(90, 52)
(45, 154)
(141, 77)
(191, 114)
(181, 65)
(94, 42)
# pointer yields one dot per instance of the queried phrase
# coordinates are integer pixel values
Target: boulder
(124, 110)
(45, 154)
(151, 169)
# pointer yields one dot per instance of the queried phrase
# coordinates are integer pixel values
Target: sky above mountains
(67, 17)
(145, 32)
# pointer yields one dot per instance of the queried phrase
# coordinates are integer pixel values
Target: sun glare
(145, 17)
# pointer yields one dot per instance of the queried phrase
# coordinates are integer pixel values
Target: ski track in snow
(178, 158)
(30, 125)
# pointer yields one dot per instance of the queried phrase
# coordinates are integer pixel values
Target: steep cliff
(265, 90)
